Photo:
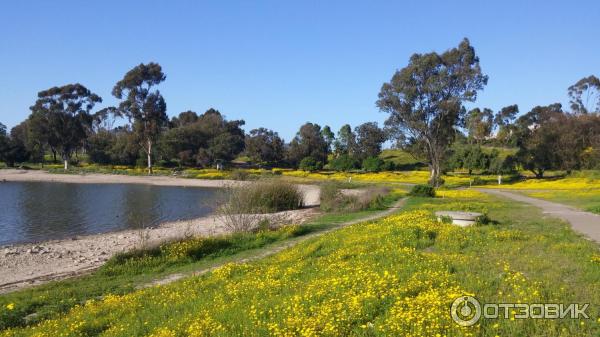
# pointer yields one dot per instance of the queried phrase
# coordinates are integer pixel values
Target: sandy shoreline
(29, 264)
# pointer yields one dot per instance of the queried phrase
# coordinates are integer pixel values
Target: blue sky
(279, 64)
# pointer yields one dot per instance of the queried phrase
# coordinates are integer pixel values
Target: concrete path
(583, 222)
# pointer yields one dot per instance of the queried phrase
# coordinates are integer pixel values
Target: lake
(39, 211)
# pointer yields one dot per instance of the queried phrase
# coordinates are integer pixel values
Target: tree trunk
(149, 156)
(434, 177)
(54, 155)
(66, 161)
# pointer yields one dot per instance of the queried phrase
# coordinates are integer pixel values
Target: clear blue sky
(279, 64)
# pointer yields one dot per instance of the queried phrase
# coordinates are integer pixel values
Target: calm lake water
(38, 211)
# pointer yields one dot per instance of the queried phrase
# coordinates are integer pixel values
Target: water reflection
(37, 211)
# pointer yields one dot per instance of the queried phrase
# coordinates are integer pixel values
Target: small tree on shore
(142, 105)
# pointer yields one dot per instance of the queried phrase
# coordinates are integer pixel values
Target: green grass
(402, 159)
(502, 151)
(373, 279)
(587, 200)
(123, 273)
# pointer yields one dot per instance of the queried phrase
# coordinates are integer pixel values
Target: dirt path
(278, 248)
(583, 222)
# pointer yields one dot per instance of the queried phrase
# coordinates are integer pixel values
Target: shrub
(422, 191)
(168, 163)
(310, 164)
(344, 163)
(388, 165)
(483, 219)
(332, 199)
(241, 207)
(269, 196)
(372, 164)
(477, 181)
(239, 175)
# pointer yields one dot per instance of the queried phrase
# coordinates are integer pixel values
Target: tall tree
(480, 124)
(4, 142)
(184, 118)
(585, 95)
(346, 141)
(12, 147)
(329, 136)
(264, 146)
(425, 99)
(205, 139)
(539, 139)
(369, 139)
(63, 113)
(142, 104)
(503, 121)
(309, 142)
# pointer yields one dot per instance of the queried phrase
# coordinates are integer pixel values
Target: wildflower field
(391, 277)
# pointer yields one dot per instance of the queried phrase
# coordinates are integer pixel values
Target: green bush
(372, 164)
(422, 191)
(310, 164)
(267, 196)
(388, 165)
(344, 163)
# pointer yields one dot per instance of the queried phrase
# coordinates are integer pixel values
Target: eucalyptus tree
(480, 124)
(585, 95)
(425, 99)
(143, 105)
(345, 143)
(503, 120)
(12, 146)
(264, 146)
(308, 142)
(61, 117)
(329, 136)
(369, 139)
(4, 141)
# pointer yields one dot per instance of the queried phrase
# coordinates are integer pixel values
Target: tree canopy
(61, 117)
(585, 95)
(143, 105)
(264, 146)
(425, 99)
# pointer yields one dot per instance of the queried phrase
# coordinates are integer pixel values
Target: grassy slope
(122, 274)
(390, 277)
(401, 158)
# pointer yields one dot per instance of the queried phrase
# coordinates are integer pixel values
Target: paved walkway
(583, 222)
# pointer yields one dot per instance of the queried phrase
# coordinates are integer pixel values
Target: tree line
(63, 123)
(425, 102)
